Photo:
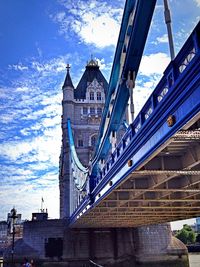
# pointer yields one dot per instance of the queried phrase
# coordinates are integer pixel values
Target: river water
(194, 259)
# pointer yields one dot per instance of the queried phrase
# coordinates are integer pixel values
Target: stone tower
(83, 105)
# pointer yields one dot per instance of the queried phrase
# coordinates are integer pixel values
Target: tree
(182, 235)
(186, 234)
(191, 237)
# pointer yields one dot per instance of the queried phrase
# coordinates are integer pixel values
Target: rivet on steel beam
(130, 162)
(171, 120)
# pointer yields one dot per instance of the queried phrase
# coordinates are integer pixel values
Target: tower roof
(68, 80)
(91, 72)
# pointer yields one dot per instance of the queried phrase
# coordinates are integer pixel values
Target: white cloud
(94, 23)
(105, 66)
(10, 116)
(98, 30)
(18, 66)
(197, 2)
(15, 149)
(162, 39)
(55, 65)
(154, 64)
(42, 148)
(151, 70)
(48, 189)
(51, 122)
(22, 89)
(140, 97)
(25, 132)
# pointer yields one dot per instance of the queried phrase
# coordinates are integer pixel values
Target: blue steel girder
(114, 77)
(138, 34)
(177, 95)
(81, 172)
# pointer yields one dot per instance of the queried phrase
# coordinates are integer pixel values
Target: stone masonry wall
(36, 233)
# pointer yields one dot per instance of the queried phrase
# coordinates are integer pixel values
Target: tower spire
(68, 80)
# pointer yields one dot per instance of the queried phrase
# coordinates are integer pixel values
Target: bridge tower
(83, 105)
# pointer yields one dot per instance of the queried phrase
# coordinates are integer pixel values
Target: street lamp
(13, 216)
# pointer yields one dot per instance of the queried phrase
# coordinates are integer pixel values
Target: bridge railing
(176, 68)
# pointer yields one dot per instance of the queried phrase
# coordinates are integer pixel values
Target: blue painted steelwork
(177, 94)
(79, 172)
(135, 26)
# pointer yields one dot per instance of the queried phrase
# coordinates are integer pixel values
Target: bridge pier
(52, 243)
(155, 244)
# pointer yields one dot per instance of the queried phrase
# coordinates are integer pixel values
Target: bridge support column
(156, 246)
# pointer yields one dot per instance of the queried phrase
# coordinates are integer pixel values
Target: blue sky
(37, 39)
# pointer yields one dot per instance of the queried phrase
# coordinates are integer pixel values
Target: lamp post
(13, 216)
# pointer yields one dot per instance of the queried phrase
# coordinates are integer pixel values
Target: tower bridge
(121, 184)
(153, 174)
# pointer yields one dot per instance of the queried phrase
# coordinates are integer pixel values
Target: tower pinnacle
(68, 81)
(68, 67)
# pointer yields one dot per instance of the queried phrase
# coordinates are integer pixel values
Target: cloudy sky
(37, 39)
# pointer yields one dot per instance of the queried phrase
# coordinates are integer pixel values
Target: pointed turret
(68, 87)
(68, 80)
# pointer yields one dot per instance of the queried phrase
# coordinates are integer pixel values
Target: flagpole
(42, 200)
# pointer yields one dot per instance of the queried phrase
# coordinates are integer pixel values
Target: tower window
(85, 111)
(99, 111)
(80, 143)
(91, 95)
(92, 111)
(98, 96)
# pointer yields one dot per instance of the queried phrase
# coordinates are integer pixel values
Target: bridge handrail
(182, 63)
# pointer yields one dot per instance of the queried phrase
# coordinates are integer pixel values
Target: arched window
(91, 95)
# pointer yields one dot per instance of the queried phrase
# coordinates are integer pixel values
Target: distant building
(3, 236)
(198, 224)
(18, 226)
(6, 231)
(3, 229)
(39, 216)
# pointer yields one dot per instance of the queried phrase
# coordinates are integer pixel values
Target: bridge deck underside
(165, 188)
